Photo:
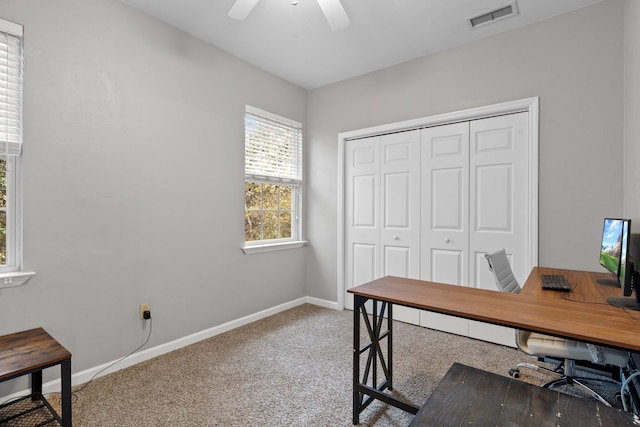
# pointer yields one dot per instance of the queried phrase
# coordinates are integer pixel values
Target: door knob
(396, 238)
(447, 240)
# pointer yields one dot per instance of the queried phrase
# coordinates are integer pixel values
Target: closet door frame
(530, 105)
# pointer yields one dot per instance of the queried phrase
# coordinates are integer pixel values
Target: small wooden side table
(29, 352)
(469, 395)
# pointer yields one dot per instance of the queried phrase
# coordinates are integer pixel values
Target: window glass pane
(252, 195)
(252, 226)
(271, 196)
(3, 238)
(285, 224)
(270, 226)
(285, 197)
(3, 184)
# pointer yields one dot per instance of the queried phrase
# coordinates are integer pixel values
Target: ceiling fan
(332, 9)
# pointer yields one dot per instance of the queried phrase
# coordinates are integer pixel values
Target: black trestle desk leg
(389, 345)
(367, 387)
(358, 302)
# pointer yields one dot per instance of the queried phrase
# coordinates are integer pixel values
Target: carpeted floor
(291, 369)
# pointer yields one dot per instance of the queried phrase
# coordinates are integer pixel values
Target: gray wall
(573, 62)
(133, 181)
(632, 113)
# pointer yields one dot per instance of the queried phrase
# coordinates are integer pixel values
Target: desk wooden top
(586, 318)
(29, 351)
(583, 284)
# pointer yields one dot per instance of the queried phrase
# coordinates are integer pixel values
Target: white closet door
(400, 225)
(362, 213)
(382, 211)
(445, 219)
(430, 203)
(498, 205)
(499, 194)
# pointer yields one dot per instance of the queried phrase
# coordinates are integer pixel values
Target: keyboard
(555, 282)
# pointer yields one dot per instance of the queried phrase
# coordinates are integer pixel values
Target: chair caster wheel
(515, 373)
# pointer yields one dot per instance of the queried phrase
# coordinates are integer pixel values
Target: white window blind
(273, 148)
(10, 88)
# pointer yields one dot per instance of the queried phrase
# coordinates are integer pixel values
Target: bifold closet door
(382, 211)
(498, 206)
(499, 196)
(362, 213)
(474, 194)
(430, 203)
(400, 230)
(445, 215)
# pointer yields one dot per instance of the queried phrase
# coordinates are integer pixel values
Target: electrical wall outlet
(143, 308)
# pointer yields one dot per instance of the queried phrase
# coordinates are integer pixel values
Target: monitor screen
(611, 249)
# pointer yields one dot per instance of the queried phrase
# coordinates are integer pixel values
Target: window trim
(276, 246)
(267, 245)
(12, 274)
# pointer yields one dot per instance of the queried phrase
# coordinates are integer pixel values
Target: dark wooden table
(582, 314)
(29, 352)
(470, 396)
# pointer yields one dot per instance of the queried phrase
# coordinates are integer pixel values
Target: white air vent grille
(489, 17)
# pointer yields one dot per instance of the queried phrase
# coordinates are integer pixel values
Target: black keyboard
(555, 282)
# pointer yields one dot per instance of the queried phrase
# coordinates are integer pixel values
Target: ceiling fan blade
(242, 8)
(335, 14)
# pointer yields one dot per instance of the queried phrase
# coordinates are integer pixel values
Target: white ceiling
(297, 44)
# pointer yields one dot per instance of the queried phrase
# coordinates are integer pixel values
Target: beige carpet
(291, 369)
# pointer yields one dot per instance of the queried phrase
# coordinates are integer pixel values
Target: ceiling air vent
(486, 18)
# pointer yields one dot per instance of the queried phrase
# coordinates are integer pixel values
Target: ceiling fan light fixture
(332, 10)
(242, 8)
(335, 14)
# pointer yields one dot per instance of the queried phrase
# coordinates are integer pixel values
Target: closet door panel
(399, 234)
(447, 266)
(444, 201)
(362, 213)
(499, 186)
(499, 182)
(444, 198)
(494, 206)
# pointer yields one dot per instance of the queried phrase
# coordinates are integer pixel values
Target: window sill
(15, 278)
(269, 247)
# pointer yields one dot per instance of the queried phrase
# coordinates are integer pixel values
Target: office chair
(546, 346)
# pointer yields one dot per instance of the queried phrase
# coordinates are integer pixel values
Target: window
(10, 151)
(273, 180)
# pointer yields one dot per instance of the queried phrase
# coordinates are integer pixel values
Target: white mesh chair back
(502, 273)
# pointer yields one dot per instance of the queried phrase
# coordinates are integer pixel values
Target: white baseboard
(141, 356)
(323, 303)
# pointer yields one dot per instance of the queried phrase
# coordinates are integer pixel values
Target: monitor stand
(624, 302)
(609, 282)
(628, 302)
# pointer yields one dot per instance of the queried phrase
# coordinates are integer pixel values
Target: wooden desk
(29, 352)
(582, 314)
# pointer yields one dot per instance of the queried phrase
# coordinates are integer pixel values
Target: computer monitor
(629, 277)
(611, 248)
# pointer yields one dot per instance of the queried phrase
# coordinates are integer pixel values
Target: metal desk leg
(358, 302)
(65, 376)
(368, 384)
